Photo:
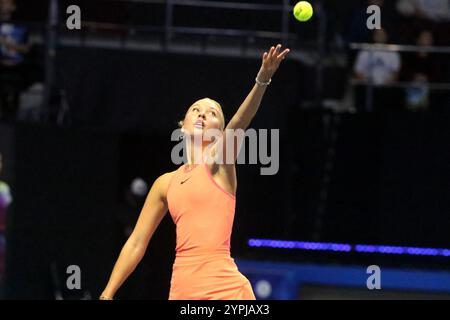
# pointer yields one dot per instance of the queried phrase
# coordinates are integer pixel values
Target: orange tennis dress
(203, 213)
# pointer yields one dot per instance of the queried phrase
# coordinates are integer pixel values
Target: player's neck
(195, 153)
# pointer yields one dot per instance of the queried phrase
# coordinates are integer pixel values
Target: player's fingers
(275, 51)
(283, 54)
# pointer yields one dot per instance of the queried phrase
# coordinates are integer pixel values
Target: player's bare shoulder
(163, 182)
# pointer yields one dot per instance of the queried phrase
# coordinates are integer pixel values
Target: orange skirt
(213, 277)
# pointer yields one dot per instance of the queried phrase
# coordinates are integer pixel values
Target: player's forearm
(128, 259)
(249, 107)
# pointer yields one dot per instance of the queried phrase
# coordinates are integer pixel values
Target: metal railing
(283, 34)
(169, 28)
(398, 48)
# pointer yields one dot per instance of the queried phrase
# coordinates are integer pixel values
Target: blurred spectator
(128, 211)
(14, 45)
(134, 200)
(422, 66)
(434, 10)
(381, 67)
(5, 197)
(417, 15)
(5, 201)
(30, 102)
(13, 38)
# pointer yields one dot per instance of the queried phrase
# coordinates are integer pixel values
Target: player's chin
(197, 132)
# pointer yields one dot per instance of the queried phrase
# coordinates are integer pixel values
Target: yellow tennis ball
(303, 11)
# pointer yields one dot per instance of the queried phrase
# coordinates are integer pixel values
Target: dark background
(385, 173)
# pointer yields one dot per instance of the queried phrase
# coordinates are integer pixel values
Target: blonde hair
(181, 122)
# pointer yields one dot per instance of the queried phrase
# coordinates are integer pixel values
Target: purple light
(343, 247)
(313, 246)
(365, 248)
(423, 251)
(254, 243)
(414, 251)
(391, 249)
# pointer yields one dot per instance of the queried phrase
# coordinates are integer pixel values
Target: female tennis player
(200, 196)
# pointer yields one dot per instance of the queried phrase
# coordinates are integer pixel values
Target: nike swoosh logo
(185, 180)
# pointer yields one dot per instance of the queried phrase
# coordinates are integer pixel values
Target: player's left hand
(271, 61)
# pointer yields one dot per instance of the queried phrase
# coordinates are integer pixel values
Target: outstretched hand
(271, 61)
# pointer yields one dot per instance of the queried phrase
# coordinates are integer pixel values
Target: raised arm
(154, 209)
(270, 63)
